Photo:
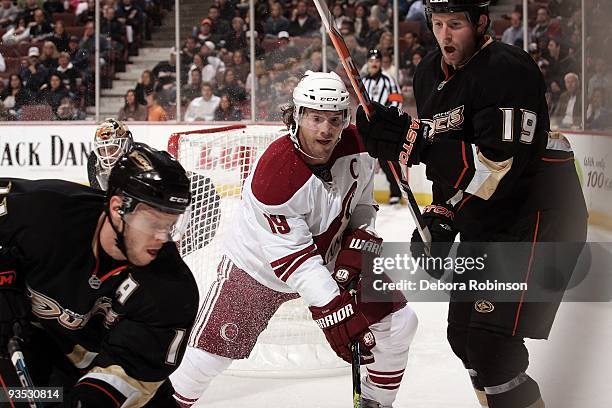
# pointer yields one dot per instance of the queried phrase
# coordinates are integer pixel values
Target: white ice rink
(572, 368)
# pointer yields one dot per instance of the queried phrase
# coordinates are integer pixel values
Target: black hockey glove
(439, 220)
(393, 135)
(14, 304)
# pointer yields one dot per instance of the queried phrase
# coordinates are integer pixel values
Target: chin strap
(119, 239)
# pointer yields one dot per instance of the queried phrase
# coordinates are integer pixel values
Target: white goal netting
(219, 160)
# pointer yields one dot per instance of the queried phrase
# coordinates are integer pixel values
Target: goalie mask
(111, 140)
(145, 175)
(323, 92)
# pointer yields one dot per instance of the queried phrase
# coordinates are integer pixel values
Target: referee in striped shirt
(383, 89)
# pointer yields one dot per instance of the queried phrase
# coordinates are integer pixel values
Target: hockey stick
(364, 99)
(356, 373)
(355, 359)
(18, 361)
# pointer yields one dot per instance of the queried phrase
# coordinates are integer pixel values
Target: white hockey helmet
(321, 91)
(112, 139)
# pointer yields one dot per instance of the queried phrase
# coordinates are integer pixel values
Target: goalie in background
(306, 211)
(112, 139)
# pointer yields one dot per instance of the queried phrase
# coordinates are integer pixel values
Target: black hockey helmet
(474, 8)
(152, 177)
(374, 54)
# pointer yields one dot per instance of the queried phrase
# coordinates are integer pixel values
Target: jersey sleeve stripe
(487, 175)
(291, 257)
(296, 265)
(100, 388)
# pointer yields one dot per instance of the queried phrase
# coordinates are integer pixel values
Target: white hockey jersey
(289, 225)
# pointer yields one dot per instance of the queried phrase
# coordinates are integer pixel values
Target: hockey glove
(350, 259)
(14, 304)
(439, 219)
(343, 323)
(393, 135)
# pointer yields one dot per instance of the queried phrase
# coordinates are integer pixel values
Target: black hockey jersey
(98, 178)
(132, 327)
(493, 156)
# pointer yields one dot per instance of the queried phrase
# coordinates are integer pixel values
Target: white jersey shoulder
(289, 225)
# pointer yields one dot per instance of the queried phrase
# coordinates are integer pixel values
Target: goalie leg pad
(393, 335)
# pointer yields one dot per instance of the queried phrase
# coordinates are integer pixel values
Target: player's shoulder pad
(513, 65)
(280, 173)
(167, 292)
(50, 194)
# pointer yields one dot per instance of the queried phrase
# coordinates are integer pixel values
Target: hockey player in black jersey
(499, 175)
(96, 282)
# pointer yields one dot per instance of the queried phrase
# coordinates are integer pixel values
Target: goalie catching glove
(350, 260)
(393, 135)
(342, 323)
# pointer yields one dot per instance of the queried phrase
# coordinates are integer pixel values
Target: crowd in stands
(54, 39)
(47, 52)
(215, 66)
(554, 42)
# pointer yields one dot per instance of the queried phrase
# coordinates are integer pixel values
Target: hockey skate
(367, 403)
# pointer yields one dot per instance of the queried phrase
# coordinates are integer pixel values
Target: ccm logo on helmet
(178, 200)
(336, 317)
(329, 99)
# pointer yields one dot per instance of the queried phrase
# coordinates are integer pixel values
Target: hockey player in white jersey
(309, 197)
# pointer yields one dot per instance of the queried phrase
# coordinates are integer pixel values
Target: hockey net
(218, 161)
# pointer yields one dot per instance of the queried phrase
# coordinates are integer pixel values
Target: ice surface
(571, 367)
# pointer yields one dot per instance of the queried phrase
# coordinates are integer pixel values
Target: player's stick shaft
(20, 367)
(364, 99)
(356, 373)
(355, 359)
